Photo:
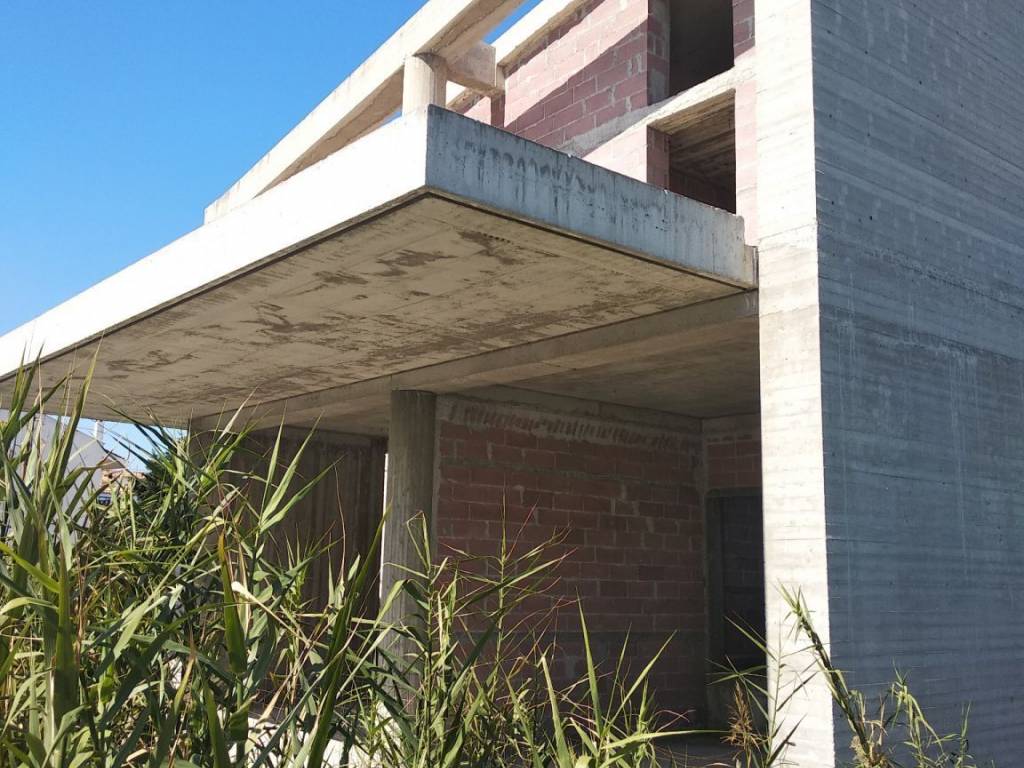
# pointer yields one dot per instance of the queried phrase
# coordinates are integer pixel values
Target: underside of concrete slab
(434, 239)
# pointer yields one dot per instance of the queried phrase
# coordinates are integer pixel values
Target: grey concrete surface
(791, 401)
(412, 442)
(700, 360)
(920, 207)
(458, 239)
(892, 349)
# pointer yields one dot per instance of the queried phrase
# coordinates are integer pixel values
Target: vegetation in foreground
(160, 629)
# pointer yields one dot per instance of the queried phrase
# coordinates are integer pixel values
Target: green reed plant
(162, 629)
(152, 631)
(758, 727)
(892, 732)
(598, 730)
(442, 688)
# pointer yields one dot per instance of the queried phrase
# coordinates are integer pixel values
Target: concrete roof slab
(434, 238)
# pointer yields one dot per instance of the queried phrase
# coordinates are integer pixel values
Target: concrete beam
(478, 70)
(669, 116)
(370, 95)
(695, 104)
(520, 39)
(497, 169)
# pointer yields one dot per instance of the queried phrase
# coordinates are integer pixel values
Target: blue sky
(121, 121)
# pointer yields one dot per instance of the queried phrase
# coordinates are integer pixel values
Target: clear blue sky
(120, 121)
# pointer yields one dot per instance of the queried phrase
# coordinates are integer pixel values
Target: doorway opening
(736, 589)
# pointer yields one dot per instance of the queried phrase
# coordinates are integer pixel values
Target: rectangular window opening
(700, 42)
(702, 154)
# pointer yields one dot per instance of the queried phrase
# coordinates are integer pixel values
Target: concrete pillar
(790, 358)
(424, 82)
(410, 493)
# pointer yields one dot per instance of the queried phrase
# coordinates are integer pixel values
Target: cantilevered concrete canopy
(436, 238)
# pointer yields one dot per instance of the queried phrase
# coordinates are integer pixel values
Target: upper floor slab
(571, 74)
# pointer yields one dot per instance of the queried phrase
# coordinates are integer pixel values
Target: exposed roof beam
(519, 39)
(371, 94)
(660, 332)
(478, 70)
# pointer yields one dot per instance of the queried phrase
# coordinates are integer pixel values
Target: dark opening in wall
(734, 541)
(701, 42)
(702, 153)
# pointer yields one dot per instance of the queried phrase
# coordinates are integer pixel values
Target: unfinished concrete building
(730, 291)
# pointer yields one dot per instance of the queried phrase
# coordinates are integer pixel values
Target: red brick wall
(733, 453)
(626, 496)
(742, 26)
(640, 154)
(609, 58)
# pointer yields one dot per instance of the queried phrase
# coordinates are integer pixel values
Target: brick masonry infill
(624, 495)
(607, 59)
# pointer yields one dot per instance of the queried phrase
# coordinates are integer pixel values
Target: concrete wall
(918, 109)
(626, 494)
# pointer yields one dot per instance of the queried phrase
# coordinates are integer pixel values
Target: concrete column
(410, 493)
(424, 82)
(746, 157)
(795, 533)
